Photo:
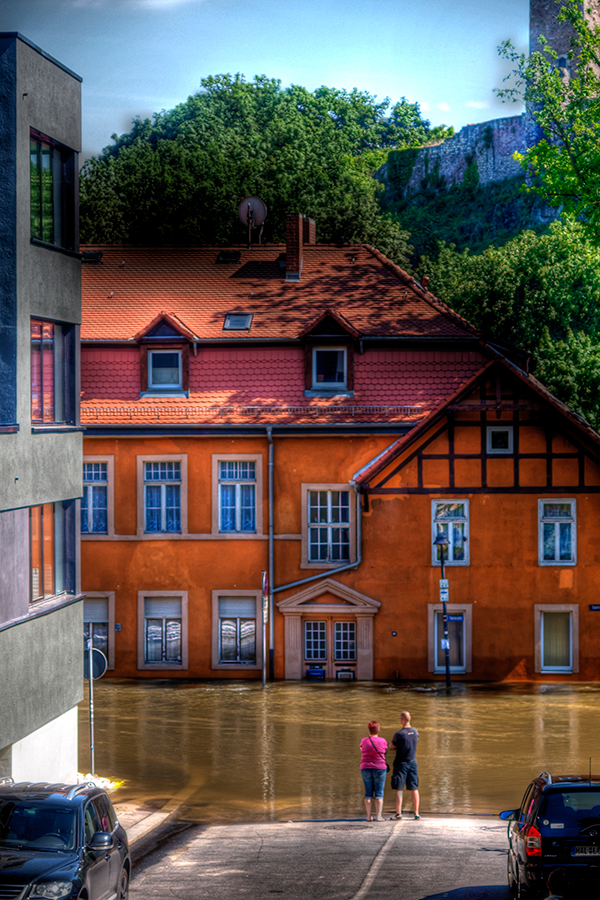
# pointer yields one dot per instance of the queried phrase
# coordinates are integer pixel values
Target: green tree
(541, 293)
(179, 177)
(564, 166)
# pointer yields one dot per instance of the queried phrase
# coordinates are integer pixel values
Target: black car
(556, 826)
(61, 841)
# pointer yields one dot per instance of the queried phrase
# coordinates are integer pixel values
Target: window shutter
(237, 608)
(157, 607)
(95, 610)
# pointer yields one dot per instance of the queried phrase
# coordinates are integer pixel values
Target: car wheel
(123, 892)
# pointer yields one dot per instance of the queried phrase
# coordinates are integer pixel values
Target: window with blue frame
(94, 502)
(162, 497)
(237, 496)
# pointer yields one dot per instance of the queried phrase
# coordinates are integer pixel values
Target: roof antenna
(590, 769)
(252, 212)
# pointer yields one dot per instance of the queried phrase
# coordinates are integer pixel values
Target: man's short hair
(405, 715)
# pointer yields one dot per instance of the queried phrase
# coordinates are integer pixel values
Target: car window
(92, 822)
(36, 825)
(526, 804)
(561, 806)
(105, 813)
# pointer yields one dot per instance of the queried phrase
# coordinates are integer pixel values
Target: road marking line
(376, 865)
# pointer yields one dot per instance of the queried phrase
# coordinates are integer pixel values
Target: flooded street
(245, 754)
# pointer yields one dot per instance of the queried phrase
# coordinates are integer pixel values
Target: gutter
(271, 556)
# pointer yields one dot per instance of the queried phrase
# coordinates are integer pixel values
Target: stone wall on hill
(489, 145)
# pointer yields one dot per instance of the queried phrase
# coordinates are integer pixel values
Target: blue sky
(140, 56)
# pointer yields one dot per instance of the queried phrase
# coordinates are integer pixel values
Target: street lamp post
(443, 543)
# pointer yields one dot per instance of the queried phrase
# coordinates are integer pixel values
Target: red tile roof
(133, 285)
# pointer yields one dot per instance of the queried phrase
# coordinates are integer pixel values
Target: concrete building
(40, 436)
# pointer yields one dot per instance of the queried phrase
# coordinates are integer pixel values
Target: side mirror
(509, 815)
(102, 840)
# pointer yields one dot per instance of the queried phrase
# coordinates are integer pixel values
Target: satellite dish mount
(252, 212)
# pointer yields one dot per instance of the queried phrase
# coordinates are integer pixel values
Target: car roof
(44, 790)
(562, 781)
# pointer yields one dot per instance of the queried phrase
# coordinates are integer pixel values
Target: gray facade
(40, 436)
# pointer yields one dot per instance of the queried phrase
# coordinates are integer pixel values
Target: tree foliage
(179, 177)
(564, 100)
(541, 293)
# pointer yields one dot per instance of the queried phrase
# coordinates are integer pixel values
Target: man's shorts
(408, 774)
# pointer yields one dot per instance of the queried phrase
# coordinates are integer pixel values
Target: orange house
(313, 412)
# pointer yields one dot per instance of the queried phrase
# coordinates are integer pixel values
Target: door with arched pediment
(329, 642)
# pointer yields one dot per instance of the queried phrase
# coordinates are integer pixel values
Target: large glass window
(47, 372)
(344, 641)
(164, 370)
(162, 497)
(329, 368)
(46, 550)
(315, 640)
(451, 518)
(557, 641)
(52, 192)
(329, 526)
(237, 496)
(162, 630)
(557, 532)
(94, 503)
(237, 630)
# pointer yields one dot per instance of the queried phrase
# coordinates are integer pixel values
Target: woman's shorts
(408, 776)
(374, 780)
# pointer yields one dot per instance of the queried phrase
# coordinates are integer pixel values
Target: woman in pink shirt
(373, 769)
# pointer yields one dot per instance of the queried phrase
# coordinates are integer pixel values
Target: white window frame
(466, 609)
(165, 387)
(492, 429)
(539, 610)
(110, 500)
(448, 560)
(110, 596)
(257, 459)
(238, 500)
(235, 666)
(556, 520)
(329, 385)
(141, 499)
(176, 595)
(306, 525)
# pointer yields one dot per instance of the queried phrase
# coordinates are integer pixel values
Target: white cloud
(425, 107)
(477, 104)
(444, 107)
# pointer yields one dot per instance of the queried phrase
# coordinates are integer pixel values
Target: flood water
(290, 751)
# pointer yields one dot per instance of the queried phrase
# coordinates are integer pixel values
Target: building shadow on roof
(486, 892)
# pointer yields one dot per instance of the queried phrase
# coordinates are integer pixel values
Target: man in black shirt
(406, 772)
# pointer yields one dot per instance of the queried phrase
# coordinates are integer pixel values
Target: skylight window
(237, 322)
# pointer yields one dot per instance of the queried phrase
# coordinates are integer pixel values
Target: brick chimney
(299, 231)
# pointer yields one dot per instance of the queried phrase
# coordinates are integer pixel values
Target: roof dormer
(165, 357)
(329, 342)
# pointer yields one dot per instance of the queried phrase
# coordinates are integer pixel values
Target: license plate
(585, 851)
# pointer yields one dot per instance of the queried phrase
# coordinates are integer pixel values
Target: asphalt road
(436, 858)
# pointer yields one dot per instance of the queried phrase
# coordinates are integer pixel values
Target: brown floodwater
(237, 752)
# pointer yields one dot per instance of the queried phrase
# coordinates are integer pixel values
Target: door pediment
(328, 596)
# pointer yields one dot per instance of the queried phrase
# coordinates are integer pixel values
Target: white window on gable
(499, 439)
(451, 518)
(557, 532)
(329, 368)
(164, 370)
(237, 496)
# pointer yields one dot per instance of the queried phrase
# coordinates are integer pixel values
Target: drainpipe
(329, 572)
(271, 562)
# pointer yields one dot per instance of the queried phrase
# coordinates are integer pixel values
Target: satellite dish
(252, 212)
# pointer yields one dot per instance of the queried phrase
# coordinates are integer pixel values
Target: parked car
(556, 826)
(61, 841)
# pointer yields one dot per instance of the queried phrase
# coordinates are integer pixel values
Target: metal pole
(265, 612)
(91, 696)
(271, 556)
(446, 638)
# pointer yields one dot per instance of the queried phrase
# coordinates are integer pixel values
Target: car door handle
(107, 857)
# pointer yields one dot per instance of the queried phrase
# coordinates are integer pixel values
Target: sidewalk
(436, 858)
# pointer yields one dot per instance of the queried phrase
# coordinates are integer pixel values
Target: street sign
(443, 583)
(265, 583)
(594, 607)
(458, 617)
(445, 644)
(99, 664)
(443, 595)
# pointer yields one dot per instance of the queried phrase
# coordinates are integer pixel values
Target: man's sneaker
(417, 816)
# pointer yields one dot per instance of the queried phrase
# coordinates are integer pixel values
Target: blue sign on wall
(456, 618)
(594, 607)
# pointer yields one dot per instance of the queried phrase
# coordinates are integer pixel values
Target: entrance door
(330, 644)
(456, 638)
